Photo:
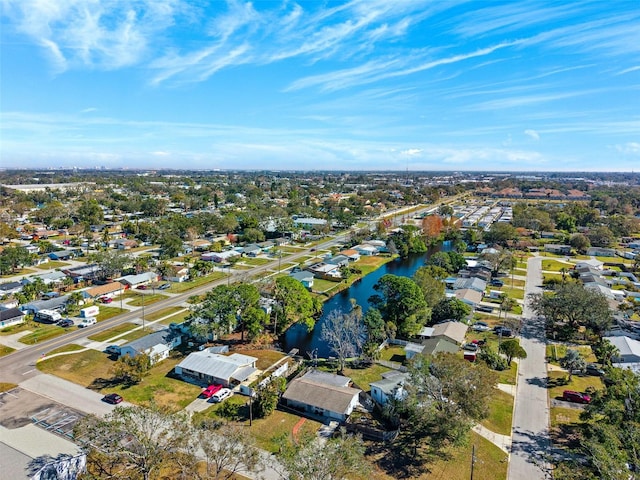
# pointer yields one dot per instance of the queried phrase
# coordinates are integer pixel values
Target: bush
(229, 410)
(493, 360)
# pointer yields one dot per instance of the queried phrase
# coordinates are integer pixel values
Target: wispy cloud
(630, 148)
(532, 134)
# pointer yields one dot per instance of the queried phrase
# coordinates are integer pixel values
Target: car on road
(312, 250)
(66, 322)
(480, 327)
(87, 322)
(164, 286)
(112, 350)
(106, 299)
(220, 395)
(593, 369)
(577, 397)
(112, 398)
(141, 287)
(211, 390)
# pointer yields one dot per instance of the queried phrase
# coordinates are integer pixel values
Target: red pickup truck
(211, 390)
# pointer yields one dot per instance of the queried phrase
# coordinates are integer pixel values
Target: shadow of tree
(100, 383)
(539, 382)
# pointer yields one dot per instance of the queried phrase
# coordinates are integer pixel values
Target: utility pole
(473, 459)
(142, 311)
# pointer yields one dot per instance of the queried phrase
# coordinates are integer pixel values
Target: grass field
(92, 369)
(394, 353)
(578, 383)
(72, 347)
(163, 313)
(21, 271)
(177, 318)
(277, 424)
(265, 357)
(364, 376)
(500, 413)
(323, 286)
(112, 332)
(52, 264)
(109, 312)
(509, 375)
(41, 333)
(256, 262)
(5, 387)
(196, 282)
(4, 350)
(555, 351)
(555, 265)
(21, 327)
(146, 299)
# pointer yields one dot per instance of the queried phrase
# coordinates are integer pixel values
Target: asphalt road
(530, 431)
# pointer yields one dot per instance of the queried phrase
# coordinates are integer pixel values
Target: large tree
(344, 333)
(571, 307)
(295, 304)
(512, 349)
(501, 233)
(450, 309)
(446, 396)
(431, 286)
(401, 301)
(111, 263)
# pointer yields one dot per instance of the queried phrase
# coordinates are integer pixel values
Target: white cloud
(411, 152)
(630, 148)
(532, 133)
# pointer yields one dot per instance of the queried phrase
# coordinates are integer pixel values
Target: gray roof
(439, 344)
(472, 283)
(10, 313)
(219, 366)
(321, 395)
(391, 382)
(303, 276)
(140, 278)
(5, 287)
(52, 304)
(625, 345)
(156, 338)
(327, 378)
(337, 259)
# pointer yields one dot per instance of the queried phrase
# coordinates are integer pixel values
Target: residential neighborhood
(243, 320)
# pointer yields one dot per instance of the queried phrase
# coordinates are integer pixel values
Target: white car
(220, 395)
(480, 327)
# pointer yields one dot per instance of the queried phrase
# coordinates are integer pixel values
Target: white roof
(219, 366)
(625, 345)
(140, 278)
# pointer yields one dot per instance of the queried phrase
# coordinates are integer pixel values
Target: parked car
(502, 331)
(66, 322)
(496, 283)
(577, 397)
(484, 308)
(112, 398)
(211, 390)
(470, 347)
(112, 350)
(480, 327)
(164, 286)
(106, 299)
(220, 395)
(141, 287)
(87, 322)
(595, 370)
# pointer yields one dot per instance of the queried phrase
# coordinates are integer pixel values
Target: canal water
(297, 335)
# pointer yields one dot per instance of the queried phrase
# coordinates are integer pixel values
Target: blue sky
(353, 85)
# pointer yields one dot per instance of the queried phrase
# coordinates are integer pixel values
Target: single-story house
(177, 274)
(635, 245)
(219, 257)
(391, 385)
(617, 295)
(200, 244)
(267, 245)
(338, 260)
(32, 248)
(366, 250)
(379, 244)
(426, 332)
(62, 255)
(139, 279)
(309, 222)
(558, 249)
(454, 331)
(351, 254)
(48, 278)
(304, 277)
(208, 367)
(124, 244)
(157, 345)
(412, 349)
(326, 271)
(468, 296)
(592, 262)
(82, 272)
(439, 344)
(106, 290)
(471, 283)
(10, 288)
(58, 304)
(12, 316)
(628, 348)
(601, 252)
(322, 394)
(252, 250)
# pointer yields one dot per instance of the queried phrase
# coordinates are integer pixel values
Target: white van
(87, 322)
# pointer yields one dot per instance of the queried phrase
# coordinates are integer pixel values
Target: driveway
(530, 431)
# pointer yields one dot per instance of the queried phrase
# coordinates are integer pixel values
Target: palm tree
(605, 351)
(572, 361)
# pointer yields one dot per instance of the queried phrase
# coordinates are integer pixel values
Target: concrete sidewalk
(503, 442)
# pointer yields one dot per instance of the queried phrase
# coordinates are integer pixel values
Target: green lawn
(279, 423)
(509, 375)
(112, 332)
(177, 318)
(41, 333)
(136, 334)
(578, 383)
(92, 369)
(555, 351)
(393, 353)
(72, 347)
(517, 293)
(500, 416)
(146, 299)
(163, 313)
(52, 264)
(364, 376)
(196, 282)
(4, 350)
(555, 265)
(22, 271)
(256, 262)
(21, 327)
(109, 312)
(323, 286)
